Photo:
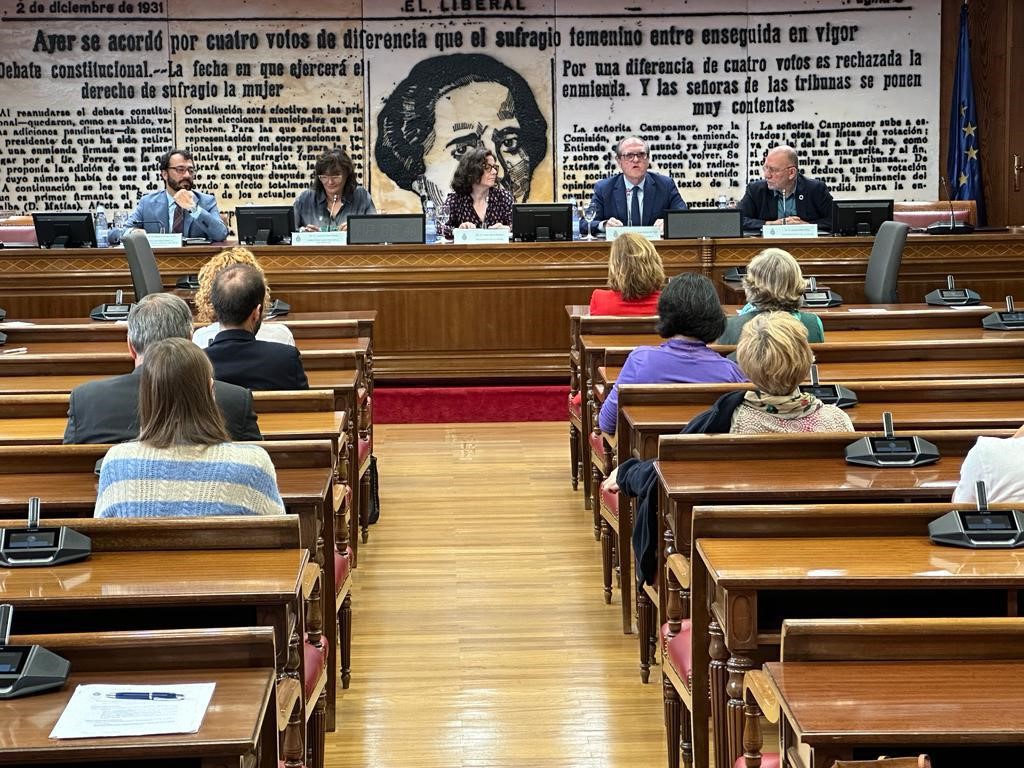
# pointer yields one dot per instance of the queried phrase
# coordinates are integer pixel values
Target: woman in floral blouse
(477, 200)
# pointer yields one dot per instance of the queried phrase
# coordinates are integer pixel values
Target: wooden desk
(437, 303)
(774, 469)
(241, 722)
(901, 704)
(168, 590)
(754, 583)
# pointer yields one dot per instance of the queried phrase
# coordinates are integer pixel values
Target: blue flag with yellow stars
(964, 163)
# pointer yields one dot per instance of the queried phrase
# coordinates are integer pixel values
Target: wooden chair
(921, 213)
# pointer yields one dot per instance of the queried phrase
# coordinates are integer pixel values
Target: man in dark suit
(636, 197)
(785, 196)
(107, 411)
(237, 297)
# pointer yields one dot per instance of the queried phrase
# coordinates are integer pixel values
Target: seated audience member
(477, 200)
(238, 357)
(773, 283)
(773, 351)
(635, 277)
(106, 410)
(785, 196)
(271, 331)
(178, 207)
(775, 355)
(183, 464)
(637, 196)
(334, 195)
(689, 318)
(998, 462)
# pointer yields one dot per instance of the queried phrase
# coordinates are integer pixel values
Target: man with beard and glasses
(178, 207)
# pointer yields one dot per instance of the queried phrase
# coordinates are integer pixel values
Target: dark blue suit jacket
(151, 214)
(813, 203)
(660, 193)
(239, 358)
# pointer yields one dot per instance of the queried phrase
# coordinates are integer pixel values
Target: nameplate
(790, 230)
(651, 233)
(320, 238)
(490, 236)
(164, 239)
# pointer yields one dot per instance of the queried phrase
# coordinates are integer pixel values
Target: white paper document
(133, 710)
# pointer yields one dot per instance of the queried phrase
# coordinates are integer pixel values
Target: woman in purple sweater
(689, 318)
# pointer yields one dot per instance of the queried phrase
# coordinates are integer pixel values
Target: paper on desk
(17, 324)
(970, 306)
(93, 711)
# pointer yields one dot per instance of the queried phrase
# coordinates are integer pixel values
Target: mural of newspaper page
(81, 113)
(712, 85)
(259, 93)
(445, 76)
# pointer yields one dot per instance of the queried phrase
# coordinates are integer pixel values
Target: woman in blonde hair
(273, 331)
(635, 279)
(183, 464)
(773, 283)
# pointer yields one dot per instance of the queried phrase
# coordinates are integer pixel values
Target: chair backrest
(921, 213)
(884, 263)
(142, 264)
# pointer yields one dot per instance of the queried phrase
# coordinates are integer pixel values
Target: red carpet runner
(433, 405)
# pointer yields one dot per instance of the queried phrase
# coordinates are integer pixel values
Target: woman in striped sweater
(183, 464)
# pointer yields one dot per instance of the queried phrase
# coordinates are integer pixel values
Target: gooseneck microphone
(952, 227)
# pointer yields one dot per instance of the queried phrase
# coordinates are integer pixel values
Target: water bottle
(732, 202)
(102, 230)
(575, 218)
(723, 201)
(431, 223)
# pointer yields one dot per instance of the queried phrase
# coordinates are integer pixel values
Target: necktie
(179, 219)
(634, 208)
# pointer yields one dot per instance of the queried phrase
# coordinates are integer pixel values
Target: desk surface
(902, 703)
(230, 728)
(154, 579)
(856, 562)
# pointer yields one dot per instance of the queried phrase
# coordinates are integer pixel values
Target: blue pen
(146, 696)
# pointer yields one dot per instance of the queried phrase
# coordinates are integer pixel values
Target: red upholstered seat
(342, 565)
(576, 405)
(679, 650)
(18, 235)
(768, 760)
(596, 443)
(922, 219)
(364, 450)
(610, 499)
(316, 662)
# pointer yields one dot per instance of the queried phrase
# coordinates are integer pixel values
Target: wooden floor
(481, 639)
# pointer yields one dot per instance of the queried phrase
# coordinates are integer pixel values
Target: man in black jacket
(238, 357)
(785, 196)
(107, 411)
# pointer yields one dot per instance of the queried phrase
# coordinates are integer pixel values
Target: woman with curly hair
(272, 331)
(773, 283)
(477, 200)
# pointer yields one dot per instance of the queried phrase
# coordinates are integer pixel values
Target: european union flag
(963, 166)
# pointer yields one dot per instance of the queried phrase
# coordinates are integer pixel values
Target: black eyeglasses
(633, 156)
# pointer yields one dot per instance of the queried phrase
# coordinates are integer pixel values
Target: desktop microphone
(953, 227)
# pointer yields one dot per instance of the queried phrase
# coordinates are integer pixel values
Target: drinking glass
(589, 213)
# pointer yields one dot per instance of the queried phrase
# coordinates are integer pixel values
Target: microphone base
(944, 228)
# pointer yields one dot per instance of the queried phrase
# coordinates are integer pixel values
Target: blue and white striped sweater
(137, 480)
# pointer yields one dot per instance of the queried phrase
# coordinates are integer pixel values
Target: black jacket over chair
(107, 410)
(238, 357)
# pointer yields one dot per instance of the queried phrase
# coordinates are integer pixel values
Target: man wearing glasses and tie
(636, 197)
(178, 207)
(785, 196)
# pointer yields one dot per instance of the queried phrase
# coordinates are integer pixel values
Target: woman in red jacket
(635, 278)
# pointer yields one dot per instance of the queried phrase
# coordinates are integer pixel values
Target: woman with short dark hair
(334, 194)
(183, 464)
(689, 317)
(477, 200)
